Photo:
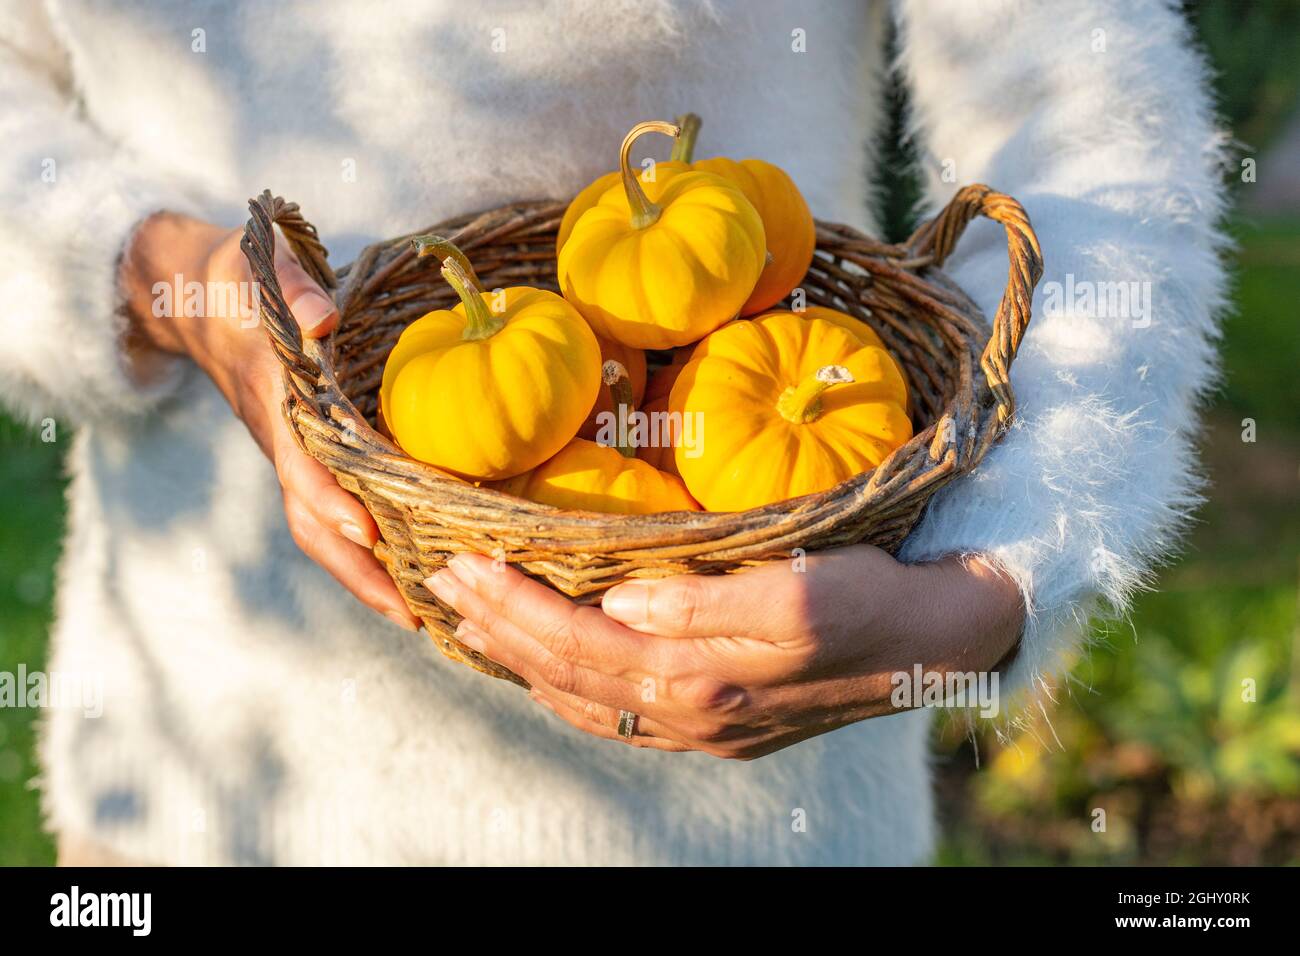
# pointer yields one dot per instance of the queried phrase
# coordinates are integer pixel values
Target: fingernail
(443, 585)
(629, 603)
(465, 568)
(468, 635)
(311, 309)
(352, 531)
(401, 620)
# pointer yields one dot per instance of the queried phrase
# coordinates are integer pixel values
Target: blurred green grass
(31, 530)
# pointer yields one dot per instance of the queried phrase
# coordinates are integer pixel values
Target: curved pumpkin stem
(431, 245)
(614, 375)
(684, 148)
(802, 404)
(644, 212)
(480, 322)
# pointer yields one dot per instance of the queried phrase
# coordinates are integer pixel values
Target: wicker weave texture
(956, 365)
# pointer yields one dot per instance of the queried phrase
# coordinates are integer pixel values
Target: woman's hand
(329, 524)
(739, 665)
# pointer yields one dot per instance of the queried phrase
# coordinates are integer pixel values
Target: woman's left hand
(737, 665)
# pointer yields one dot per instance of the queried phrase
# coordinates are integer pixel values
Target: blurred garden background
(1152, 729)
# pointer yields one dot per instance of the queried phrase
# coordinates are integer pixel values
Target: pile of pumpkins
(675, 269)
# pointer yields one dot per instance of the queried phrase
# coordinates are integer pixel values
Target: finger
(311, 306)
(765, 600)
(567, 705)
(512, 647)
(733, 743)
(602, 721)
(581, 716)
(315, 489)
(711, 734)
(353, 566)
(580, 635)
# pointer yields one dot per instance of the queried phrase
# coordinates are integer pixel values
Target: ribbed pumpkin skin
(787, 221)
(631, 359)
(751, 455)
(591, 194)
(673, 281)
(498, 406)
(590, 477)
(865, 333)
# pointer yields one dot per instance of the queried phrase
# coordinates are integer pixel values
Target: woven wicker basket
(930, 326)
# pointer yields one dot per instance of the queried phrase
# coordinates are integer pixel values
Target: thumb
(750, 603)
(311, 306)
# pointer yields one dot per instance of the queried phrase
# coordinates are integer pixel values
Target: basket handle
(937, 238)
(258, 246)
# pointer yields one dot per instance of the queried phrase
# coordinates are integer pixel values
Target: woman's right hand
(329, 524)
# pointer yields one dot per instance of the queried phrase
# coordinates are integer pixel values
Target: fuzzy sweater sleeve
(1095, 115)
(69, 199)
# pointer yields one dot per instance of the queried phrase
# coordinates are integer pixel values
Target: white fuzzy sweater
(253, 711)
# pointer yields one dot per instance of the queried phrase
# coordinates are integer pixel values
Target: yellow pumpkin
(790, 406)
(865, 333)
(381, 426)
(787, 220)
(631, 359)
(494, 386)
(586, 476)
(591, 194)
(655, 274)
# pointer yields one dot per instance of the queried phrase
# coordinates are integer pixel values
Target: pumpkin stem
(803, 404)
(431, 245)
(480, 322)
(616, 379)
(684, 148)
(644, 212)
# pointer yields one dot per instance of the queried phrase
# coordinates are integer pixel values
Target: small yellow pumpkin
(787, 220)
(631, 359)
(590, 195)
(662, 273)
(865, 333)
(494, 386)
(586, 476)
(791, 406)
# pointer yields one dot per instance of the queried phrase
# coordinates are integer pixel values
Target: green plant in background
(1254, 46)
(1158, 736)
(31, 525)
(1222, 711)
